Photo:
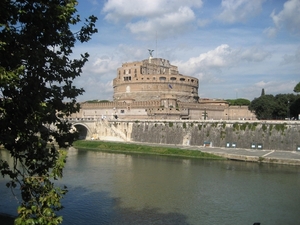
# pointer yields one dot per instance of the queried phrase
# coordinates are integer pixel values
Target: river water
(107, 188)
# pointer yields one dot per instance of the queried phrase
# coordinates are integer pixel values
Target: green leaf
(36, 89)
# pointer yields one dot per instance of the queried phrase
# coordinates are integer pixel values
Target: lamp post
(205, 114)
(288, 110)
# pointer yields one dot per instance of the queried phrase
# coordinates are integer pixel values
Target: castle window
(162, 78)
(182, 79)
(122, 111)
(127, 78)
(173, 78)
(192, 80)
(129, 71)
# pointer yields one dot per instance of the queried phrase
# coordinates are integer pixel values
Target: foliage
(37, 93)
(134, 148)
(280, 127)
(236, 126)
(280, 106)
(264, 127)
(283, 103)
(297, 88)
(244, 126)
(239, 101)
(263, 106)
(295, 108)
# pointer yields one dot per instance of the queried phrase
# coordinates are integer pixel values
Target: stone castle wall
(267, 134)
(154, 110)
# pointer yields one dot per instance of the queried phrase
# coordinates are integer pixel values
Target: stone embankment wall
(283, 135)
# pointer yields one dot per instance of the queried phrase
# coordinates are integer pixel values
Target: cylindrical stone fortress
(153, 79)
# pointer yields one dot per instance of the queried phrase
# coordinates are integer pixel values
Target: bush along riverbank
(119, 147)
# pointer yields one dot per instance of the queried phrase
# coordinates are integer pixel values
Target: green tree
(297, 88)
(36, 95)
(295, 106)
(239, 101)
(264, 106)
(283, 104)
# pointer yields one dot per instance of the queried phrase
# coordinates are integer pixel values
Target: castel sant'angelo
(153, 89)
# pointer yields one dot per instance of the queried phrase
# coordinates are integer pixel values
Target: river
(106, 188)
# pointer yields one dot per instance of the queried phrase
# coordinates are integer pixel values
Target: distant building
(154, 89)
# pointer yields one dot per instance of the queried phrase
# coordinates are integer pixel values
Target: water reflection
(107, 188)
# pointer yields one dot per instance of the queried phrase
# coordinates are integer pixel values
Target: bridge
(98, 129)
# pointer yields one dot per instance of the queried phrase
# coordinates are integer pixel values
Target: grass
(118, 147)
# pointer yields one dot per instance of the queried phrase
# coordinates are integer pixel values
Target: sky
(234, 47)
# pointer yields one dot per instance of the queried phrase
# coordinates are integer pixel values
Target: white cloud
(129, 53)
(203, 22)
(94, 2)
(288, 17)
(239, 10)
(277, 86)
(118, 10)
(294, 58)
(100, 66)
(166, 25)
(271, 31)
(104, 65)
(222, 57)
(96, 90)
(149, 18)
(254, 54)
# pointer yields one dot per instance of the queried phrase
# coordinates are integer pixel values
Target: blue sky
(234, 47)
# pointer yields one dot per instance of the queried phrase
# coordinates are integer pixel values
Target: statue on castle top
(150, 52)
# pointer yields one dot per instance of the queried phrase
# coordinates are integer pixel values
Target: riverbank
(121, 147)
(239, 154)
